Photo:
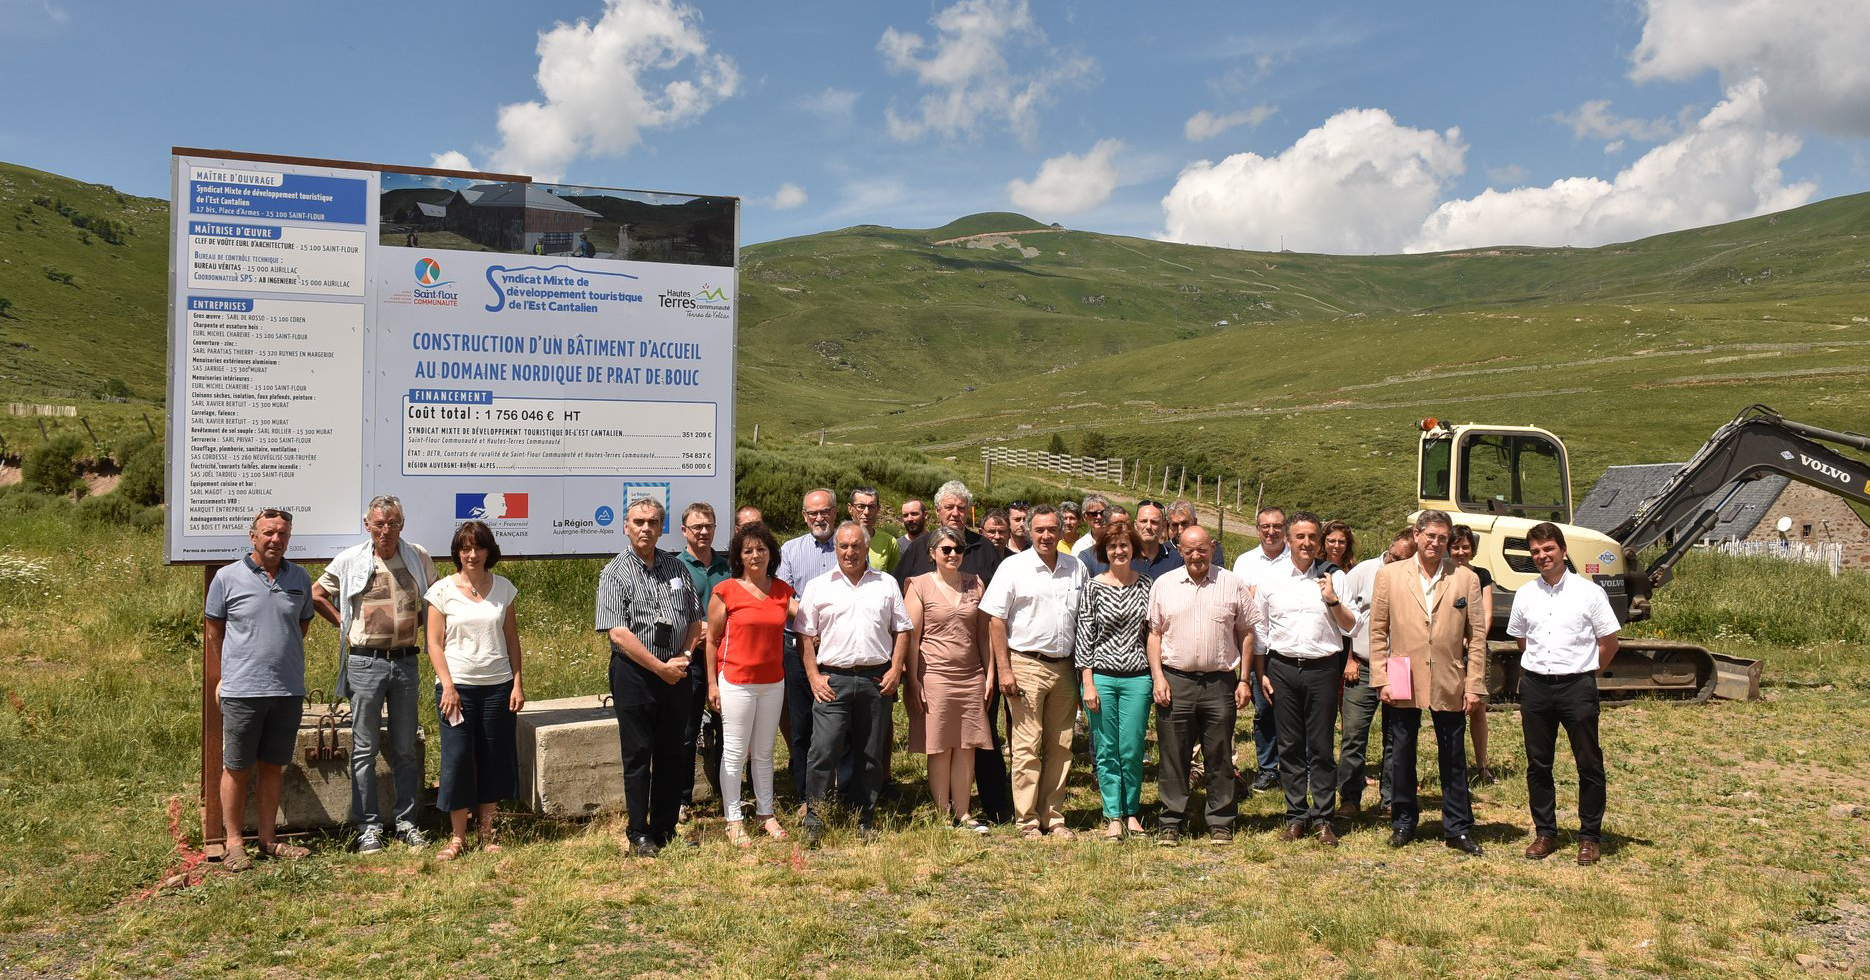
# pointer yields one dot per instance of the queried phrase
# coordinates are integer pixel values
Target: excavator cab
(1501, 480)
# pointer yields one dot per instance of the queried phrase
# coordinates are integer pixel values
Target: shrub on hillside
(142, 476)
(53, 466)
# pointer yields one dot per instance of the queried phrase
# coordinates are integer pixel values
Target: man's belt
(1034, 655)
(384, 653)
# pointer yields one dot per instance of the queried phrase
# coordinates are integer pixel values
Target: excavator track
(1668, 670)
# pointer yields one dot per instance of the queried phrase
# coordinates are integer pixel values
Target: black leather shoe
(645, 847)
(1265, 782)
(1401, 837)
(1464, 844)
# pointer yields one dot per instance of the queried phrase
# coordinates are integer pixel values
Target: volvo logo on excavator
(1825, 468)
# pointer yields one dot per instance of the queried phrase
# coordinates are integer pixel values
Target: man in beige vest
(1428, 610)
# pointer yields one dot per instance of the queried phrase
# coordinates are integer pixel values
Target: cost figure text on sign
(469, 433)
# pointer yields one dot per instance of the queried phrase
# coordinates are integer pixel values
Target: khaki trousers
(1042, 720)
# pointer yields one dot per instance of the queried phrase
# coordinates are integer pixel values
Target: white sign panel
(531, 356)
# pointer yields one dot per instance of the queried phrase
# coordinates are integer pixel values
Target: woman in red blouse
(747, 672)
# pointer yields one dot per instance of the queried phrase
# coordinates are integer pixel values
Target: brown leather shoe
(1294, 831)
(1541, 848)
(1348, 811)
(1327, 835)
(1588, 853)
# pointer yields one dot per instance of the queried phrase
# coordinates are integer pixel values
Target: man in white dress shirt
(1032, 605)
(855, 632)
(1305, 624)
(1567, 632)
(1271, 559)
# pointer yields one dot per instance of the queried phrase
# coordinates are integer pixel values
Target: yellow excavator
(1501, 480)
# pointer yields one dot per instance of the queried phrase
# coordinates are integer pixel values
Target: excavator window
(1513, 474)
(1436, 454)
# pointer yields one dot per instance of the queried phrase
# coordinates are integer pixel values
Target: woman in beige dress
(950, 676)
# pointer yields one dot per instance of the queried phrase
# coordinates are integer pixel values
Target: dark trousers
(1305, 706)
(993, 785)
(1200, 712)
(1402, 725)
(1545, 704)
(652, 715)
(1358, 710)
(703, 731)
(479, 761)
(858, 717)
(1265, 737)
(798, 716)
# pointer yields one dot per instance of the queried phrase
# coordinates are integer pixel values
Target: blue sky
(1341, 127)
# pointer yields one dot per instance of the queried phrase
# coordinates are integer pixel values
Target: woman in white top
(474, 647)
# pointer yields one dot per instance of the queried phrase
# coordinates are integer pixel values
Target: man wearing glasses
(372, 593)
(1095, 509)
(258, 610)
(867, 508)
(706, 569)
(1271, 560)
(1181, 515)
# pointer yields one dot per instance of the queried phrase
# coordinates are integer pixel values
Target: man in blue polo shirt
(257, 613)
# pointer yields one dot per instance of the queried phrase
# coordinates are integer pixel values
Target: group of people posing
(1044, 612)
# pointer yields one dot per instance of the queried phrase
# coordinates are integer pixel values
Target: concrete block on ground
(317, 792)
(570, 764)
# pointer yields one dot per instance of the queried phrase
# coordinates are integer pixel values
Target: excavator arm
(1757, 442)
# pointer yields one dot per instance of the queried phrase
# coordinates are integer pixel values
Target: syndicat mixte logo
(431, 289)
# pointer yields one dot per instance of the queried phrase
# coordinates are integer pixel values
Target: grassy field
(1726, 856)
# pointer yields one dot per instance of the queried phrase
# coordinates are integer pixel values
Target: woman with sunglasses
(1113, 622)
(950, 676)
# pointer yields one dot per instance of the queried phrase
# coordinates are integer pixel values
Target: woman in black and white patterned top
(1110, 656)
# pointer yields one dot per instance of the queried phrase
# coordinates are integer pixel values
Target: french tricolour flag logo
(490, 506)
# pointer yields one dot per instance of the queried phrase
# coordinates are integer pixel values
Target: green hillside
(1307, 371)
(84, 269)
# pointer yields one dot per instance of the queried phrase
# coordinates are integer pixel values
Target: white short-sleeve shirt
(1293, 615)
(1039, 604)
(475, 643)
(855, 622)
(1561, 624)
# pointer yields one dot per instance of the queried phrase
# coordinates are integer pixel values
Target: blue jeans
(373, 682)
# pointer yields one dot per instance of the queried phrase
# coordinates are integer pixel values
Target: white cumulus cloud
(1207, 125)
(1810, 53)
(788, 196)
(644, 64)
(452, 160)
(1357, 183)
(969, 70)
(1723, 168)
(1068, 183)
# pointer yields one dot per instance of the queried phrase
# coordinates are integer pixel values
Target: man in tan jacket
(1428, 609)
